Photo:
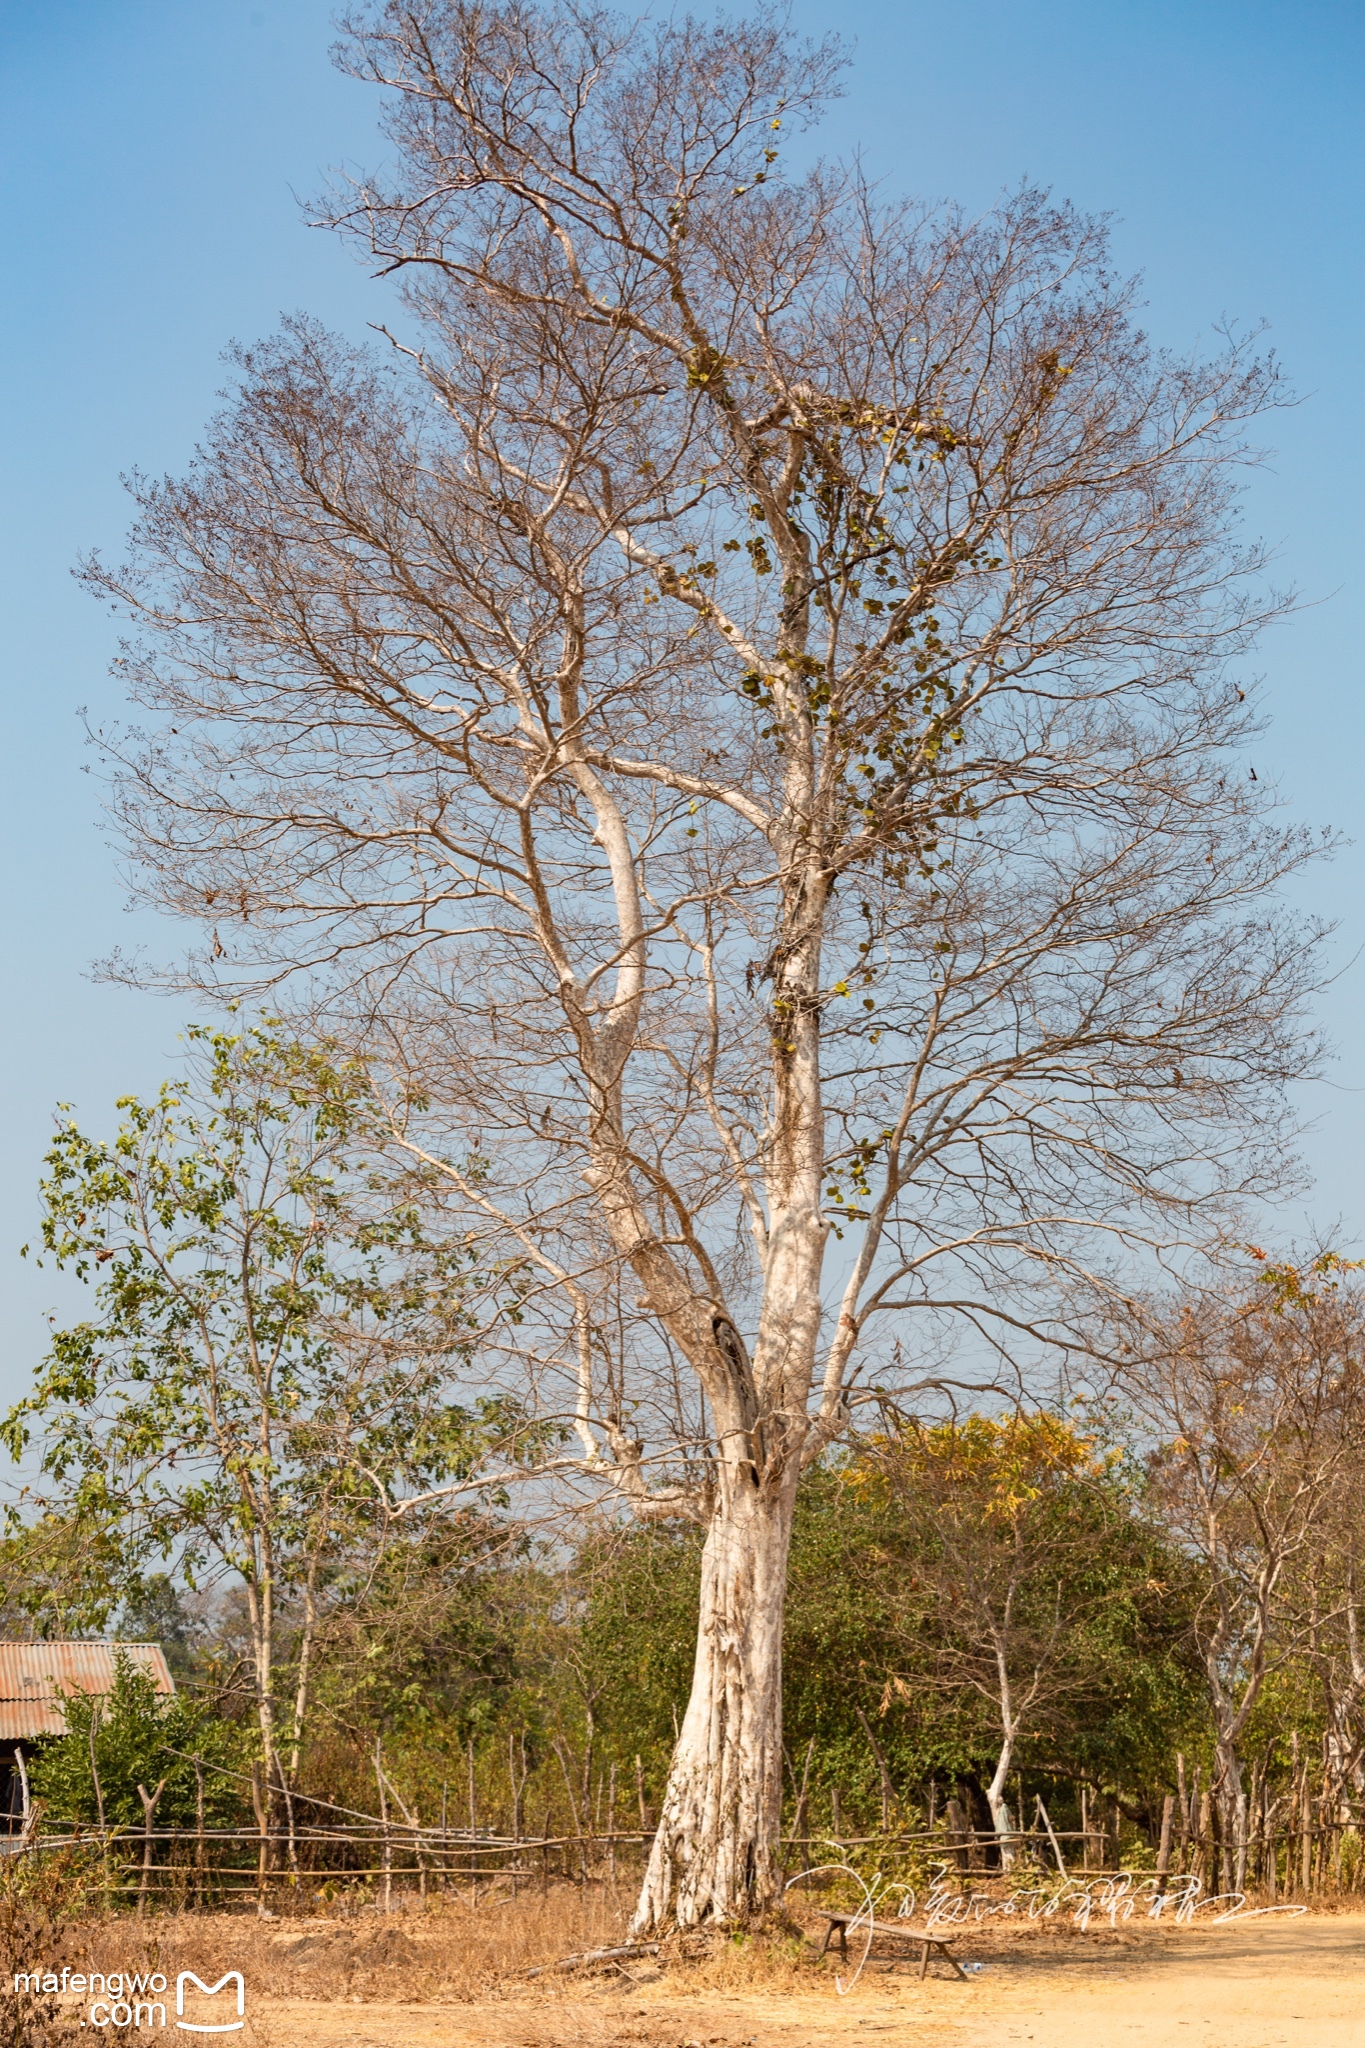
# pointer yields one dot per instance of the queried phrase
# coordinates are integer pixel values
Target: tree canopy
(734, 713)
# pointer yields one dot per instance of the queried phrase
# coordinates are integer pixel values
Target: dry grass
(457, 1951)
(451, 1951)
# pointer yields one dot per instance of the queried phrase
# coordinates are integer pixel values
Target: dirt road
(1262, 1984)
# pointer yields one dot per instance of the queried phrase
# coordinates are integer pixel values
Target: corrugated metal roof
(36, 1677)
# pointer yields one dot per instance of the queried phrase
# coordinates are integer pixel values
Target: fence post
(94, 1766)
(149, 1805)
(200, 1848)
(1203, 1833)
(1163, 1854)
(640, 1795)
(883, 1769)
(611, 1828)
(800, 1829)
(99, 1798)
(959, 1835)
(263, 1829)
(387, 1854)
(518, 1784)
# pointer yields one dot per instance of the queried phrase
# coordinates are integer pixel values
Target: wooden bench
(927, 1940)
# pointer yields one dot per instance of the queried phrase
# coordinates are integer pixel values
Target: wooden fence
(380, 1862)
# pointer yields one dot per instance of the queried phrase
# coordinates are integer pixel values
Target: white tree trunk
(1345, 1773)
(714, 1855)
(1001, 1819)
(1345, 1765)
(1233, 1817)
(1240, 1837)
(1009, 1730)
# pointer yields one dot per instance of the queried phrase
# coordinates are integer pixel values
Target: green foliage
(1023, 1543)
(872, 1653)
(140, 1737)
(425, 1633)
(848, 1551)
(639, 1632)
(274, 1339)
(270, 1336)
(270, 1356)
(59, 1577)
(157, 1611)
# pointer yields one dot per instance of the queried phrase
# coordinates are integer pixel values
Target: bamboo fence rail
(382, 1861)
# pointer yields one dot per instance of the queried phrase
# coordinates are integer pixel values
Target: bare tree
(736, 711)
(1335, 1647)
(1257, 1409)
(1324, 1589)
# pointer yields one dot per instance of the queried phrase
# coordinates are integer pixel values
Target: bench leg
(947, 1955)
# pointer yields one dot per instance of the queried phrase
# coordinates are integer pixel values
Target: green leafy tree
(272, 1350)
(419, 1628)
(1028, 1547)
(880, 1677)
(159, 1611)
(639, 1632)
(141, 1737)
(59, 1577)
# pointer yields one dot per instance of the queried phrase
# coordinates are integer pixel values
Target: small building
(37, 1678)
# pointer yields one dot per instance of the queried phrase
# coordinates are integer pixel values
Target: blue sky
(153, 153)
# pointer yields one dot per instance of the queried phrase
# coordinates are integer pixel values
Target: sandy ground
(1255, 1985)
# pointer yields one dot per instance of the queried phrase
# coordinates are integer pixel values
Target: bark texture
(714, 1853)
